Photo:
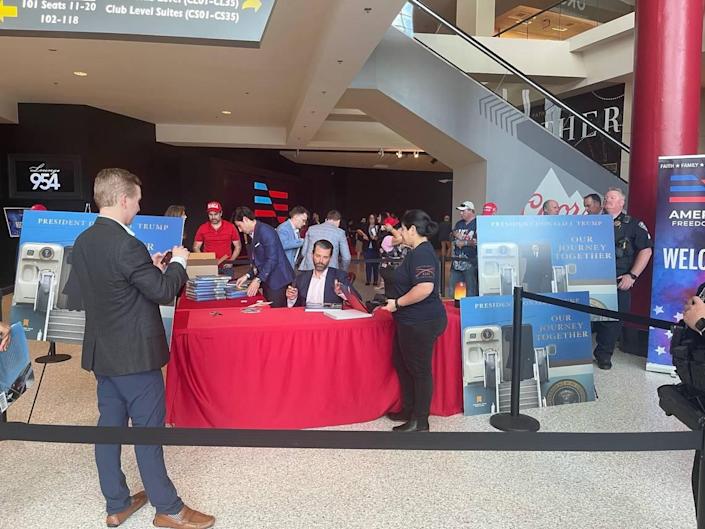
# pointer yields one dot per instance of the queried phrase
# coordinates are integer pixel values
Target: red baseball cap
(214, 207)
(490, 208)
(39, 207)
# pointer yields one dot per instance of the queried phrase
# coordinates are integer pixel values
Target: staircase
(528, 395)
(66, 326)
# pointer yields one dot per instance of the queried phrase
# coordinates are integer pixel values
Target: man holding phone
(121, 287)
(4, 336)
(321, 285)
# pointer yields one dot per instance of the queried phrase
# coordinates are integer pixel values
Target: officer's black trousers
(608, 331)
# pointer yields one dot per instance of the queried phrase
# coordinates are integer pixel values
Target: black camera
(378, 301)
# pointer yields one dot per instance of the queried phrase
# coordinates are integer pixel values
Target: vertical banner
(561, 253)
(679, 248)
(44, 265)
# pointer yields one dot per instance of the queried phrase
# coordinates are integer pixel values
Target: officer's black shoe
(413, 425)
(399, 416)
(604, 364)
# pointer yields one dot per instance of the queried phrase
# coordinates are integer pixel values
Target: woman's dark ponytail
(425, 227)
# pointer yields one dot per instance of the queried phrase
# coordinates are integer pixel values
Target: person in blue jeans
(371, 241)
(463, 241)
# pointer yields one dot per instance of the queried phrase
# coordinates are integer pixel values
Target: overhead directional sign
(228, 22)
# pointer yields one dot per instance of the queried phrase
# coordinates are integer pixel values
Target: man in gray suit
(121, 288)
(331, 232)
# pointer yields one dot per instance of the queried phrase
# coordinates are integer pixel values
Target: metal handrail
(514, 70)
(529, 18)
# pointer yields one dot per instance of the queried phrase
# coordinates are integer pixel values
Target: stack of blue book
(232, 292)
(206, 288)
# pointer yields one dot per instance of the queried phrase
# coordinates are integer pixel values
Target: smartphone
(167, 257)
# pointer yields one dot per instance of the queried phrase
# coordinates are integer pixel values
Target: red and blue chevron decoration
(686, 188)
(264, 197)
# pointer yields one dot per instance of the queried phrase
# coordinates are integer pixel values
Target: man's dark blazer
(121, 291)
(303, 281)
(539, 272)
(273, 267)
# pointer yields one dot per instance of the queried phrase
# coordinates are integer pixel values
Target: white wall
(470, 183)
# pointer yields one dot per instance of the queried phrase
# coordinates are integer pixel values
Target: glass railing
(558, 20)
(594, 129)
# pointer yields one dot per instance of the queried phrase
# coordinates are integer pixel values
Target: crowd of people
(300, 262)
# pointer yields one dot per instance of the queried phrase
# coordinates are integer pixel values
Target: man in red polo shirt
(218, 236)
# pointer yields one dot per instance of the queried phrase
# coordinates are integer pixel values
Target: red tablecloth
(186, 304)
(286, 368)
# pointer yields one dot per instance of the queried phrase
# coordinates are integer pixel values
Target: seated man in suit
(270, 268)
(320, 285)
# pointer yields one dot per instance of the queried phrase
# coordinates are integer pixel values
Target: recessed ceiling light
(80, 74)
(400, 154)
(559, 28)
(416, 154)
(225, 112)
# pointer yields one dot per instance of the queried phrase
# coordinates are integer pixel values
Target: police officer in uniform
(632, 252)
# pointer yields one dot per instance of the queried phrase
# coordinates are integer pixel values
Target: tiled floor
(55, 486)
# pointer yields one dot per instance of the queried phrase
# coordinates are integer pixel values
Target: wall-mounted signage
(224, 22)
(604, 108)
(44, 177)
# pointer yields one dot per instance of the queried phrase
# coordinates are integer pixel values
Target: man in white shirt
(320, 285)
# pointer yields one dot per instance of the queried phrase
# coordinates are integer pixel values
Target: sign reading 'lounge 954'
(232, 22)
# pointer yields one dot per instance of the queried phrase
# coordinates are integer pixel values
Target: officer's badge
(617, 223)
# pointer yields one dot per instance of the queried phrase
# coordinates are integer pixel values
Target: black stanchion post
(51, 357)
(515, 421)
(700, 506)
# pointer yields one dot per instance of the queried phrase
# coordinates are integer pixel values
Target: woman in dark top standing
(420, 319)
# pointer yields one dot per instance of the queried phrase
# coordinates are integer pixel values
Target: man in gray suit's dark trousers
(121, 288)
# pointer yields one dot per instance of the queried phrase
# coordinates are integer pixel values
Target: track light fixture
(400, 154)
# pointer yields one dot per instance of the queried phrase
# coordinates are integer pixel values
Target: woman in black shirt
(420, 319)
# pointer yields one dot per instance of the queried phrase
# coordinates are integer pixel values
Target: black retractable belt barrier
(623, 316)
(359, 440)
(675, 400)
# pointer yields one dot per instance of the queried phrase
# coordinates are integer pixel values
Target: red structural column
(666, 103)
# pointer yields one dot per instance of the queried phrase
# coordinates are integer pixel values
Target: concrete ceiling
(280, 95)
(172, 83)
(367, 160)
